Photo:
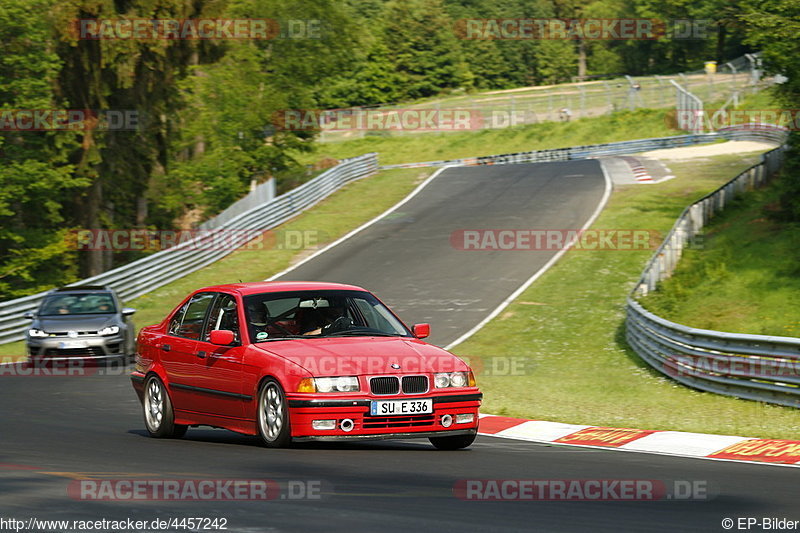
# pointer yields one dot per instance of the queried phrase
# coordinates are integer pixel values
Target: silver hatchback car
(81, 322)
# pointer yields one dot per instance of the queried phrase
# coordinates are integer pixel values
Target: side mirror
(222, 337)
(128, 311)
(421, 330)
(29, 315)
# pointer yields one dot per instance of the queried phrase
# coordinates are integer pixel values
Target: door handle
(166, 347)
(201, 354)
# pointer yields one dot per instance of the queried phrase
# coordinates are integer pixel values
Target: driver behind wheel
(328, 320)
(257, 316)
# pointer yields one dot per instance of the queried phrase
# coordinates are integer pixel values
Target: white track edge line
(363, 226)
(505, 303)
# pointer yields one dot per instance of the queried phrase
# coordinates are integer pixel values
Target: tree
(773, 27)
(138, 75)
(423, 48)
(35, 176)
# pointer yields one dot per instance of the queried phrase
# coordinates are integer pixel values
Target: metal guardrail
(757, 367)
(261, 194)
(160, 268)
(763, 132)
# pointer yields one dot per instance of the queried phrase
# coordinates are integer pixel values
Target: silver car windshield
(92, 303)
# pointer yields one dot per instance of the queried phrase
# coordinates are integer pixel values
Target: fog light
(465, 418)
(347, 425)
(447, 420)
(323, 424)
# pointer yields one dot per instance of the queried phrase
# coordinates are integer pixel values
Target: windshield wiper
(282, 338)
(364, 332)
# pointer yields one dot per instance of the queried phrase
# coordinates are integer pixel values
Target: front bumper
(364, 426)
(386, 436)
(96, 348)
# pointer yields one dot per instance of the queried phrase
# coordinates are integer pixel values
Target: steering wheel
(340, 324)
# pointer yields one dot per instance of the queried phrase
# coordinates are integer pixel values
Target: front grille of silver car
(90, 351)
(80, 333)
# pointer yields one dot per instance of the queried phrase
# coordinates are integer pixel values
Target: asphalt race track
(407, 258)
(91, 427)
(55, 431)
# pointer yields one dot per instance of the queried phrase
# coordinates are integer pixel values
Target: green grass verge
(744, 279)
(621, 126)
(568, 328)
(348, 208)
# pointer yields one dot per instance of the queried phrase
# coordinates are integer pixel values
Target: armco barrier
(757, 367)
(160, 268)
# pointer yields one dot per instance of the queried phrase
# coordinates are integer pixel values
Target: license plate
(72, 344)
(401, 407)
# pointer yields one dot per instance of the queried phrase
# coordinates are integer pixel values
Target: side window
(194, 315)
(175, 323)
(223, 316)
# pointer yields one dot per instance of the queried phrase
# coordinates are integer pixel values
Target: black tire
(453, 442)
(272, 415)
(159, 418)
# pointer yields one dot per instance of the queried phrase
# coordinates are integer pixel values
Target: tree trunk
(581, 60)
(94, 258)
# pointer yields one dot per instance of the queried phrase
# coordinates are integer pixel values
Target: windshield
(91, 303)
(305, 314)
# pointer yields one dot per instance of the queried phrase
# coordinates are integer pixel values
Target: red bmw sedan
(297, 361)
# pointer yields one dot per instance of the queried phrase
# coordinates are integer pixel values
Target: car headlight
(453, 379)
(336, 384)
(109, 330)
(33, 332)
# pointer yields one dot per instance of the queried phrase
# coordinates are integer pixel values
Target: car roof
(281, 286)
(83, 288)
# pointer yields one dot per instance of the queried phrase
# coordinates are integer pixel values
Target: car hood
(74, 322)
(364, 356)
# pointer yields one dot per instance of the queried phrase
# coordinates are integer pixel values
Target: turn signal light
(471, 379)
(306, 385)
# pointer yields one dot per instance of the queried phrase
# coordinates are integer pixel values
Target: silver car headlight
(34, 332)
(109, 330)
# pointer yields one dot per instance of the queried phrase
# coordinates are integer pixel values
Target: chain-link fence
(529, 105)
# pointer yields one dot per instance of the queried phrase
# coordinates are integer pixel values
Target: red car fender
(258, 365)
